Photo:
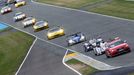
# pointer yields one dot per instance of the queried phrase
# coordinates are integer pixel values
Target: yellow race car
(40, 25)
(20, 3)
(55, 32)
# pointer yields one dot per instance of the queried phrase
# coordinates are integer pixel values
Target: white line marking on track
(63, 61)
(114, 17)
(26, 57)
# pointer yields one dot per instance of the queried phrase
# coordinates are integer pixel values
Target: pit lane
(73, 21)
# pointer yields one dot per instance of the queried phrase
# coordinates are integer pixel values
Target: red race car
(117, 46)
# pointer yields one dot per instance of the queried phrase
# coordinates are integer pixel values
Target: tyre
(128, 51)
(108, 54)
(95, 52)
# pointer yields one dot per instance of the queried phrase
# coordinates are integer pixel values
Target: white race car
(76, 38)
(100, 47)
(29, 21)
(6, 9)
(19, 16)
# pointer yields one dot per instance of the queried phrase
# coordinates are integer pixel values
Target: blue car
(76, 38)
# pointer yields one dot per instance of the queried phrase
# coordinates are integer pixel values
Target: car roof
(115, 43)
(40, 22)
(78, 33)
(19, 13)
(28, 18)
(5, 7)
(20, 0)
(54, 29)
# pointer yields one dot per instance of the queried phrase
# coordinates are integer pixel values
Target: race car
(40, 25)
(97, 45)
(19, 16)
(55, 32)
(89, 46)
(75, 38)
(29, 21)
(6, 9)
(20, 3)
(100, 46)
(116, 47)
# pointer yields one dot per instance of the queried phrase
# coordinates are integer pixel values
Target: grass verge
(118, 8)
(70, 3)
(13, 47)
(81, 67)
(131, 73)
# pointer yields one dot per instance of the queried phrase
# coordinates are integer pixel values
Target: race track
(45, 59)
(74, 21)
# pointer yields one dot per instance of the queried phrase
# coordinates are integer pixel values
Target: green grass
(131, 73)
(119, 8)
(87, 70)
(6, 29)
(70, 3)
(74, 61)
(13, 48)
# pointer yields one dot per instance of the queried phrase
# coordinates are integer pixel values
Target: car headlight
(23, 15)
(61, 31)
(46, 24)
(82, 38)
(112, 50)
(49, 34)
(70, 41)
(25, 23)
(2, 11)
(33, 20)
(35, 27)
(9, 8)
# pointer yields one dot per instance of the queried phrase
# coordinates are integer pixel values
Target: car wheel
(108, 54)
(86, 50)
(69, 44)
(129, 50)
(95, 54)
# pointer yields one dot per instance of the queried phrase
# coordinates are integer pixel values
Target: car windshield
(116, 43)
(54, 29)
(40, 23)
(19, 0)
(17, 14)
(29, 18)
(5, 7)
(74, 35)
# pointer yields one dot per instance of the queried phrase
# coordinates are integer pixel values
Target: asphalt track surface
(74, 21)
(45, 59)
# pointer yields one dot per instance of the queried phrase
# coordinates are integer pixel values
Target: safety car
(117, 47)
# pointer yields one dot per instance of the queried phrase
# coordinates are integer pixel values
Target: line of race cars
(110, 48)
